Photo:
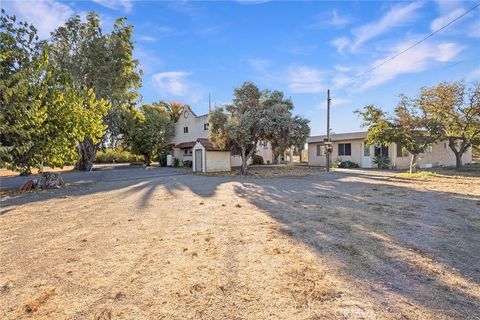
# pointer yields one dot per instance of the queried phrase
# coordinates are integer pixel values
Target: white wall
(195, 128)
(217, 161)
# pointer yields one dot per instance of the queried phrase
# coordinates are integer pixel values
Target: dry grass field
(342, 245)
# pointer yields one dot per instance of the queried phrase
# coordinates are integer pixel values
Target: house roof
(208, 145)
(188, 108)
(339, 137)
(185, 145)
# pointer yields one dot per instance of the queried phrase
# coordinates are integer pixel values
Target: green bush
(118, 155)
(344, 164)
(256, 159)
(176, 162)
(382, 162)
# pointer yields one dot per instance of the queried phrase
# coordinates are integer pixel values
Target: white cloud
(342, 68)
(176, 83)
(398, 15)
(341, 44)
(46, 15)
(259, 64)
(412, 61)
(124, 5)
(338, 21)
(474, 30)
(474, 75)
(444, 19)
(172, 82)
(303, 79)
(146, 38)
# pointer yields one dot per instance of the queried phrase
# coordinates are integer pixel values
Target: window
(320, 150)
(344, 149)
(264, 144)
(187, 151)
(366, 150)
(429, 149)
(400, 151)
(445, 145)
(185, 129)
(205, 126)
(381, 150)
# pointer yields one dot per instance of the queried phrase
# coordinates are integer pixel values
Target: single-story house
(351, 146)
(208, 158)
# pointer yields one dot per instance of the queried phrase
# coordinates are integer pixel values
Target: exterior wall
(439, 155)
(356, 154)
(313, 158)
(236, 161)
(195, 128)
(198, 146)
(265, 152)
(212, 161)
(217, 161)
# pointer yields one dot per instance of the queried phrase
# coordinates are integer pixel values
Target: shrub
(256, 159)
(111, 155)
(176, 162)
(382, 162)
(345, 164)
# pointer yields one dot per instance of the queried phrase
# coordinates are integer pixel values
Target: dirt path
(339, 246)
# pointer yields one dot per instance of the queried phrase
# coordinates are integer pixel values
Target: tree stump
(50, 180)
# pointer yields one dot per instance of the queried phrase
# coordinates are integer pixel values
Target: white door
(366, 156)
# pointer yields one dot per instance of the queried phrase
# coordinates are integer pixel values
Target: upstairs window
(185, 129)
(344, 149)
(205, 126)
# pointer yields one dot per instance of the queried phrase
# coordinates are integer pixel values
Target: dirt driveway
(344, 245)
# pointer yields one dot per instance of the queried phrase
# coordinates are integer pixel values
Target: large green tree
(281, 128)
(255, 116)
(149, 131)
(43, 116)
(457, 109)
(104, 63)
(409, 126)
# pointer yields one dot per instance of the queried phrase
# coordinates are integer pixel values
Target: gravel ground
(342, 245)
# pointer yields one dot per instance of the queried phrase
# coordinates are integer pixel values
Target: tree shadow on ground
(420, 245)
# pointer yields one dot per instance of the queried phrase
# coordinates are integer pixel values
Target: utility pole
(209, 104)
(328, 149)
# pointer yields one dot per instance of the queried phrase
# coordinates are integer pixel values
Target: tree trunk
(244, 167)
(87, 151)
(458, 160)
(458, 153)
(147, 159)
(413, 163)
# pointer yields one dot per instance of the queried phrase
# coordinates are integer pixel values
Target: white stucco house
(191, 140)
(351, 146)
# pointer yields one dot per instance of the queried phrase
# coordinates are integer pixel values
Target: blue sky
(190, 49)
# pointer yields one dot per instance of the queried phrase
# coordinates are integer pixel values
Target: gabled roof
(339, 137)
(185, 145)
(208, 145)
(189, 109)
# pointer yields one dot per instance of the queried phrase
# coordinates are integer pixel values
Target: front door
(367, 156)
(198, 160)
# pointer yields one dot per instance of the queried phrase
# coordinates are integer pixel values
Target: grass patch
(420, 175)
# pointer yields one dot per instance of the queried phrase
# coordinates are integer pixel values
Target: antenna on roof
(209, 104)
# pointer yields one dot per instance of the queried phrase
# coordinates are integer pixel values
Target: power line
(420, 41)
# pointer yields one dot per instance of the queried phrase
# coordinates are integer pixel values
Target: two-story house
(189, 128)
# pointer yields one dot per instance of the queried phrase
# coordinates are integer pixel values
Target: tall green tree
(255, 116)
(43, 116)
(175, 109)
(281, 128)
(409, 126)
(103, 63)
(457, 109)
(149, 132)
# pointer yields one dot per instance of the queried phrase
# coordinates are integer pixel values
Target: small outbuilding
(208, 158)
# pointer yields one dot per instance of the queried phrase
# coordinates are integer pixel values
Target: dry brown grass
(355, 245)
